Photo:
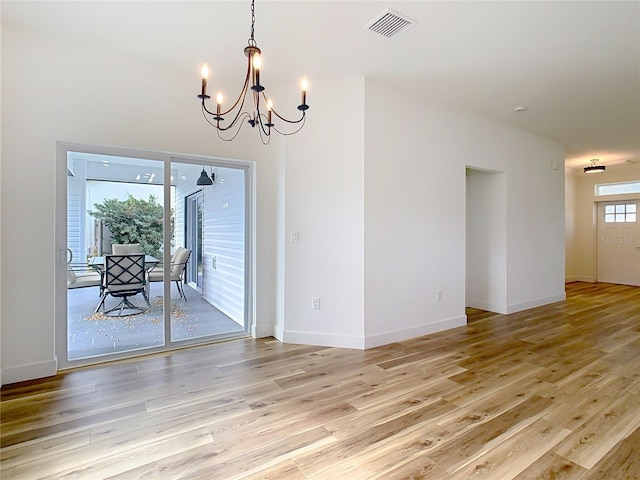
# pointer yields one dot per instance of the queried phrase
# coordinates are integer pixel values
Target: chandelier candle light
(256, 118)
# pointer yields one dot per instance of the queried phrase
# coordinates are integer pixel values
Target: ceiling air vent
(390, 23)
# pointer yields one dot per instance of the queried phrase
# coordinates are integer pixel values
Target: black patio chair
(124, 277)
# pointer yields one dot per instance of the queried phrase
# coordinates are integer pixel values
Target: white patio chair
(179, 261)
(125, 248)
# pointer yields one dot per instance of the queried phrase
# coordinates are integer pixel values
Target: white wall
(486, 241)
(535, 221)
(415, 159)
(570, 183)
(324, 205)
(97, 98)
(381, 223)
(583, 255)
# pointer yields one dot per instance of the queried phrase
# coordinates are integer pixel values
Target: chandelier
(261, 113)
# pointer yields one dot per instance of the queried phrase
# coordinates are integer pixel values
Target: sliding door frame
(60, 246)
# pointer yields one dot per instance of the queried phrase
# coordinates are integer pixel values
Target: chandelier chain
(252, 41)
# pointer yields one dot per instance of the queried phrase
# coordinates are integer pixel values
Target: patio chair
(179, 261)
(124, 277)
(80, 275)
(125, 248)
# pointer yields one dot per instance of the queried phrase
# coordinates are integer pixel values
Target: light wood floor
(549, 393)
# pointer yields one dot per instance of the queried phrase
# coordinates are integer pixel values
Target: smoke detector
(390, 23)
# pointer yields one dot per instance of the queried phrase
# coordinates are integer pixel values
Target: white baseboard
(585, 278)
(321, 339)
(489, 307)
(518, 307)
(345, 341)
(419, 331)
(278, 333)
(29, 371)
(262, 331)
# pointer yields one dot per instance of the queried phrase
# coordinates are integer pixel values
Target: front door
(618, 242)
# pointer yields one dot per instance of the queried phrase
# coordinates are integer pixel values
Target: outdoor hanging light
(204, 179)
(257, 104)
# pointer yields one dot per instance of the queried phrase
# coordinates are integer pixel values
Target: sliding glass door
(194, 241)
(112, 201)
(211, 224)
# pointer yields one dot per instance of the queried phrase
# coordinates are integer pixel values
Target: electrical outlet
(315, 303)
(439, 295)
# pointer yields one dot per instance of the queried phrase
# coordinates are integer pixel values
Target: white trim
(585, 278)
(518, 307)
(167, 158)
(489, 307)
(29, 371)
(322, 339)
(262, 331)
(345, 341)
(278, 333)
(419, 331)
(580, 278)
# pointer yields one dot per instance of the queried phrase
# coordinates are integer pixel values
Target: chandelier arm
(239, 114)
(220, 129)
(244, 114)
(264, 134)
(243, 93)
(261, 124)
(287, 120)
(205, 109)
(303, 119)
(264, 96)
(204, 114)
(260, 116)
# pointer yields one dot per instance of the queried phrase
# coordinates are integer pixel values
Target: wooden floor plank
(552, 467)
(594, 439)
(516, 454)
(622, 462)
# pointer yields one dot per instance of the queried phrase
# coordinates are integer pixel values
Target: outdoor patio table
(97, 263)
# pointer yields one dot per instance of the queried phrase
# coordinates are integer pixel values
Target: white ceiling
(575, 65)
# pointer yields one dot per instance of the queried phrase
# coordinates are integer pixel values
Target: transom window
(617, 188)
(620, 213)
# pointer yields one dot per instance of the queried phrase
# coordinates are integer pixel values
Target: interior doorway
(486, 240)
(618, 246)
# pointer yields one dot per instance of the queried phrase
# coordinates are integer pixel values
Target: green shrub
(133, 220)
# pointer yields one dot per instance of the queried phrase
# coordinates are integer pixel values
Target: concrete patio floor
(92, 334)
